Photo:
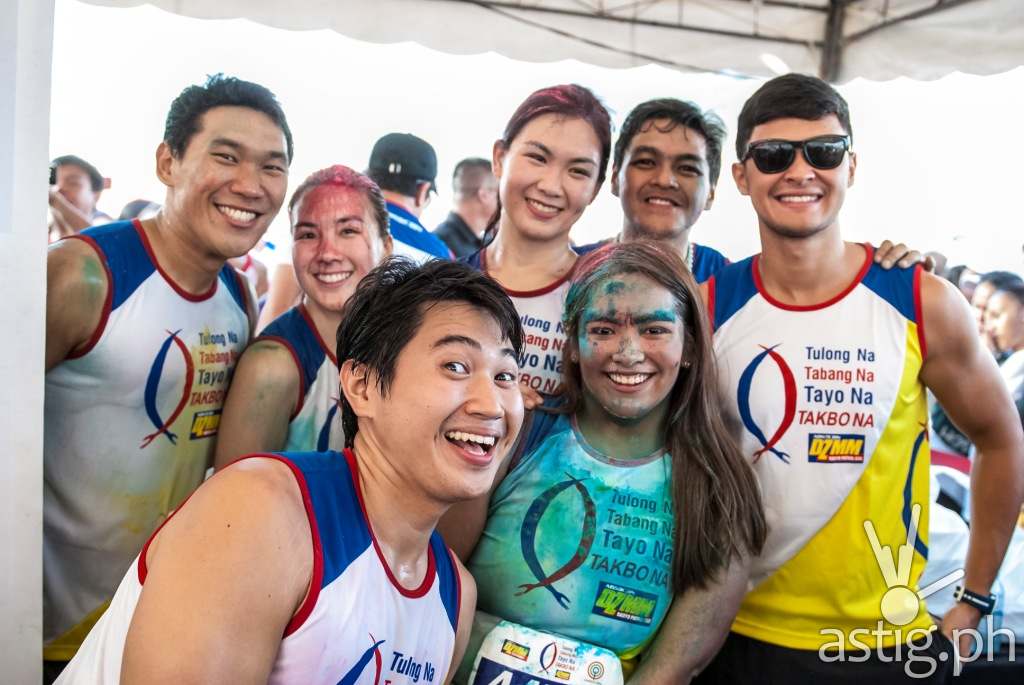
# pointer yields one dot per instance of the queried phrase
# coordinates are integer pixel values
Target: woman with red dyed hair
(550, 164)
(284, 394)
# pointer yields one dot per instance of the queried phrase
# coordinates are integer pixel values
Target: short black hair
(1000, 280)
(954, 273)
(219, 91)
(1014, 290)
(95, 177)
(680, 113)
(396, 183)
(387, 309)
(793, 95)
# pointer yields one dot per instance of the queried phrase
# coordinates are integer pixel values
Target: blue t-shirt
(411, 239)
(706, 260)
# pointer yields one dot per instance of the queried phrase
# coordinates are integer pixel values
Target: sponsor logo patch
(625, 604)
(830, 448)
(515, 650)
(205, 424)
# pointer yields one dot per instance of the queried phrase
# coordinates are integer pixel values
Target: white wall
(26, 37)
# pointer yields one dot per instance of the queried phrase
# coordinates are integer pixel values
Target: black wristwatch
(983, 603)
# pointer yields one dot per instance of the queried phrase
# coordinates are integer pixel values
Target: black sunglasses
(775, 156)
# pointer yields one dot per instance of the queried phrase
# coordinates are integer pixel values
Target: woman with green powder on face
(626, 507)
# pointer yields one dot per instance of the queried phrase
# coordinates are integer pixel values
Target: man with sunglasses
(824, 360)
(665, 168)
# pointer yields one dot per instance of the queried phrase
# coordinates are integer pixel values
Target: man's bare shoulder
(75, 262)
(256, 494)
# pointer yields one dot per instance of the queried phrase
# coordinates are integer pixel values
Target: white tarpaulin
(841, 39)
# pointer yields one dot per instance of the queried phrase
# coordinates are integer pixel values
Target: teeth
(549, 209)
(239, 215)
(333, 278)
(660, 201)
(487, 440)
(798, 198)
(634, 379)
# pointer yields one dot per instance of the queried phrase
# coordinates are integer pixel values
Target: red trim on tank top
(248, 307)
(953, 461)
(312, 326)
(458, 589)
(919, 311)
(428, 578)
(108, 302)
(167, 277)
(711, 303)
(143, 570)
(527, 293)
(298, 368)
(869, 251)
(316, 578)
(247, 263)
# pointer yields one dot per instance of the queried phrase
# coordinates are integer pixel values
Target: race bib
(512, 654)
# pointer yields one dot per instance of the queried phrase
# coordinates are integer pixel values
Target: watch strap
(983, 603)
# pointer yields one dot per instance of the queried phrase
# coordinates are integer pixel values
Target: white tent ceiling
(838, 39)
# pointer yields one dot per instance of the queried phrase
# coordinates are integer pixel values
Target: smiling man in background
(345, 579)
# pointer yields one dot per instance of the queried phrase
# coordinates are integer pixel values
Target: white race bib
(512, 654)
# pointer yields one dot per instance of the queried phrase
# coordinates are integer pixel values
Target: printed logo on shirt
(205, 424)
(789, 402)
(371, 653)
(528, 534)
(163, 426)
(324, 439)
(624, 604)
(834, 448)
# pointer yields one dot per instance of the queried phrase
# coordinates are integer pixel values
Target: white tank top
(130, 424)
(316, 423)
(540, 364)
(356, 626)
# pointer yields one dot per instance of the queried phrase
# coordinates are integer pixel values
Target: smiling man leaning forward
(311, 568)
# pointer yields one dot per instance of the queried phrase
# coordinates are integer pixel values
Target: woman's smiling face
(548, 175)
(630, 346)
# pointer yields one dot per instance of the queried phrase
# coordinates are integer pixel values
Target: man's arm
(967, 384)
(263, 394)
(467, 608)
(76, 292)
(694, 629)
(68, 217)
(225, 576)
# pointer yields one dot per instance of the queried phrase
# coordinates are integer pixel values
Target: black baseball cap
(403, 154)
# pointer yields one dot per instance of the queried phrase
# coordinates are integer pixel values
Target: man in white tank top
(322, 568)
(824, 359)
(145, 322)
